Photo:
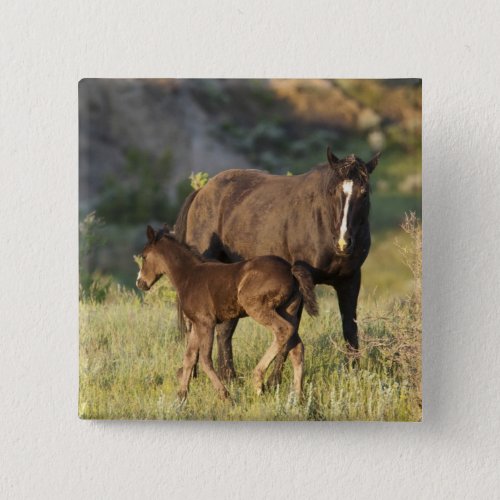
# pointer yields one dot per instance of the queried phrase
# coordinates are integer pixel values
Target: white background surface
(46, 47)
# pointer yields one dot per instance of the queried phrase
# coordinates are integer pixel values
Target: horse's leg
(225, 362)
(283, 331)
(190, 358)
(188, 333)
(347, 294)
(275, 378)
(297, 358)
(206, 335)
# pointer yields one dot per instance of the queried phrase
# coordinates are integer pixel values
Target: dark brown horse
(319, 219)
(267, 288)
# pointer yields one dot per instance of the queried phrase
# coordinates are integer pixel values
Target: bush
(140, 192)
(198, 180)
(94, 287)
(402, 343)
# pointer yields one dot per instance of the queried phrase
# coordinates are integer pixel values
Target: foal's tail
(306, 287)
(180, 230)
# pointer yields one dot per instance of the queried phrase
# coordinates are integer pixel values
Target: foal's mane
(164, 233)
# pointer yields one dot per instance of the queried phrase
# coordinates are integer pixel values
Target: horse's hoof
(353, 361)
(182, 395)
(299, 397)
(273, 381)
(227, 374)
(225, 396)
(259, 387)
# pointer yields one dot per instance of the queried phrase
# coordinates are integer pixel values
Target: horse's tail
(180, 230)
(180, 227)
(306, 287)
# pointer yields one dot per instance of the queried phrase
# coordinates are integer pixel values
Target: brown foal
(267, 288)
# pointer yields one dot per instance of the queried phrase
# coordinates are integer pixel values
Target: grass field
(130, 351)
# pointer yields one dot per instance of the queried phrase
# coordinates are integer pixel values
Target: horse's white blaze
(139, 275)
(347, 188)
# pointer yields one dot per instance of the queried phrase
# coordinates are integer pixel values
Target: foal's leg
(189, 331)
(283, 331)
(206, 336)
(190, 358)
(297, 358)
(225, 362)
(275, 378)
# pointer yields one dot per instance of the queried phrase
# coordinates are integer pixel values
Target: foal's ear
(332, 159)
(150, 233)
(167, 229)
(370, 166)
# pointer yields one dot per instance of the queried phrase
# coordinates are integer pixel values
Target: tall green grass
(130, 351)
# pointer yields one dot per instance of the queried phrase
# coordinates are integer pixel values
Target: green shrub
(139, 194)
(198, 180)
(94, 286)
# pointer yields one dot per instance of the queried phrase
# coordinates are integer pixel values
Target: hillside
(141, 139)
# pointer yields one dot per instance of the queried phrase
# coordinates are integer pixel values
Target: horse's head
(348, 195)
(152, 268)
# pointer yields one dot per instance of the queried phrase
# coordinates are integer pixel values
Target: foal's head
(348, 194)
(152, 265)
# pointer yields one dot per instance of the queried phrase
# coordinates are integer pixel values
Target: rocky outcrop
(155, 116)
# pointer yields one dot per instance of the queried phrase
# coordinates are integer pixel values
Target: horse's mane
(350, 168)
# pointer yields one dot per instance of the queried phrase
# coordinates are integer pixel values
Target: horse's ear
(370, 166)
(332, 159)
(150, 233)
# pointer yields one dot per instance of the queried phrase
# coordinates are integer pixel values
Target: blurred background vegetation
(140, 140)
